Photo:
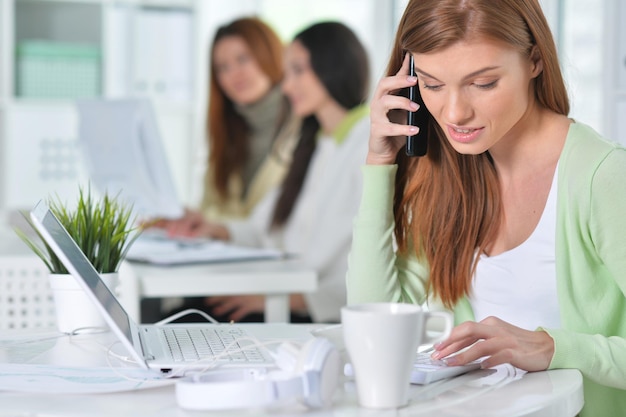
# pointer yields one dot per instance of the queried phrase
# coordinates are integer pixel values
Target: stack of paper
(180, 251)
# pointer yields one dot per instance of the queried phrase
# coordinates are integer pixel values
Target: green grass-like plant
(103, 229)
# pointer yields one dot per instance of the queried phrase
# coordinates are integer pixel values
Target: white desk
(540, 394)
(275, 279)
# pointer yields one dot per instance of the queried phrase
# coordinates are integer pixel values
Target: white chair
(25, 295)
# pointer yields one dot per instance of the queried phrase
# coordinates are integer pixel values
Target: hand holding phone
(416, 145)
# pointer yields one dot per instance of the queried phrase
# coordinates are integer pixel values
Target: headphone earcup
(319, 366)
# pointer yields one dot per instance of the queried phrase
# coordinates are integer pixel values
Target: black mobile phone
(417, 145)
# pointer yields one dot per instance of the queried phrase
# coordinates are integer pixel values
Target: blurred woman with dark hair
(326, 81)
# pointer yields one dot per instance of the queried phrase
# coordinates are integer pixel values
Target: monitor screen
(124, 155)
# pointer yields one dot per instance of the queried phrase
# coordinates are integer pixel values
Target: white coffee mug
(382, 341)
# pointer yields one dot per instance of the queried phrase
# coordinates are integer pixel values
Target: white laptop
(151, 346)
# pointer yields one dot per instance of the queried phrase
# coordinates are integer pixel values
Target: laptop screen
(79, 263)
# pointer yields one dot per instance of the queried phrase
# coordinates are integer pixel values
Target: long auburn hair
(448, 205)
(340, 62)
(227, 131)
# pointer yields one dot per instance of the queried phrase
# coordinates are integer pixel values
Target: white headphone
(309, 375)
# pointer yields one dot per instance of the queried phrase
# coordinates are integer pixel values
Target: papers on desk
(180, 252)
(76, 380)
(20, 372)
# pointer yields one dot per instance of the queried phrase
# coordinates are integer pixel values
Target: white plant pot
(74, 309)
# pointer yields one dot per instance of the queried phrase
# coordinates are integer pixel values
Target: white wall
(576, 24)
(581, 52)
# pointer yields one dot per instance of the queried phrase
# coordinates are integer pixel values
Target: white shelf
(125, 43)
(66, 21)
(6, 43)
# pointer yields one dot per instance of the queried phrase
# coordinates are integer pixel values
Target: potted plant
(104, 230)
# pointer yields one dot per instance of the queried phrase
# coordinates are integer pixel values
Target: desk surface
(262, 276)
(480, 393)
(275, 279)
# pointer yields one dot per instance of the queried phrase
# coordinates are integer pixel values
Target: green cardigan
(590, 263)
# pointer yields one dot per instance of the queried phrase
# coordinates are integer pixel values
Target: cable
(211, 361)
(214, 361)
(122, 358)
(75, 332)
(120, 373)
(88, 330)
(185, 313)
(4, 344)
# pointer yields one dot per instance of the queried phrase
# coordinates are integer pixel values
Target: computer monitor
(124, 154)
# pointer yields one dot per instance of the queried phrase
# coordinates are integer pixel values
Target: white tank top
(519, 286)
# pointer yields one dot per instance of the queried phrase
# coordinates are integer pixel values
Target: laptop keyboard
(426, 370)
(210, 344)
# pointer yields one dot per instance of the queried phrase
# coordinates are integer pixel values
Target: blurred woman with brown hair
(251, 129)
(250, 126)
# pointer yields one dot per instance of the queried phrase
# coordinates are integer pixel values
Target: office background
(53, 51)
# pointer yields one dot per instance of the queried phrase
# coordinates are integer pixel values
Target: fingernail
(413, 129)
(411, 78)
(451, 361)
(436, 355)
(414, 105)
